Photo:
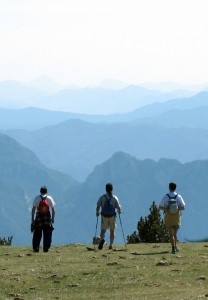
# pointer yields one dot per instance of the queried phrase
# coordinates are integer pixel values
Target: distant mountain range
(75, 147)
(175, 129)
(45, 93)
(183, 112)
(75, 154)
(137, 183)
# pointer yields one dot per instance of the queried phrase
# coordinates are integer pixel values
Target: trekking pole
(96, 229)
(122, 231)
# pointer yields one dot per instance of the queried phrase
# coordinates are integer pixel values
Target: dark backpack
(108, 209)
(43, 207)
(172, 204)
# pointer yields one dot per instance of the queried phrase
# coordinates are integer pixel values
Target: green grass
(142, 271)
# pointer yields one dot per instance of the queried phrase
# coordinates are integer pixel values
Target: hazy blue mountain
(170, 86)
(101, 101)
(186, 111)
(46, 84)
(46, 93)
(75, 147)
(98, 100)
(155, 109)
(14, 94)
(35, 118)
(136, 182)
(177, 118)
(21, 175)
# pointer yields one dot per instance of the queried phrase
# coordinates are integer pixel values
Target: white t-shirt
(165, 199)
(50, 200)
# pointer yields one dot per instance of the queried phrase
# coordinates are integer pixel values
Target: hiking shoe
(110, 247)
(100, 246)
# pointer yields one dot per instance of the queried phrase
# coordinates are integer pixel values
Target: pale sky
(86, 41)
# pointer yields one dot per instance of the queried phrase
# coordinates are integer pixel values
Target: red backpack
(43, 207)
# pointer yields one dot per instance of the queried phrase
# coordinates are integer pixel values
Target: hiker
(172, 204)
(42, 222)
(108, 203)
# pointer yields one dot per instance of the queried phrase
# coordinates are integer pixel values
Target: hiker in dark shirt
(172, 204)
(108, 203)
(44, 206)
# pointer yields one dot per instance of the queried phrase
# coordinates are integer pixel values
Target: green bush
(150, 229)
(6, 242)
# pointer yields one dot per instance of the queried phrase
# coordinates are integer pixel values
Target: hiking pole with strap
(122, 230)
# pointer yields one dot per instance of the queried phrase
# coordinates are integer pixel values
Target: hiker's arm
(117, 205)
(33, 214)
(182, 204)
(163, 208)
(98, 206)
(119, 208)
(163, 204)
(97, 210)
(53, 214)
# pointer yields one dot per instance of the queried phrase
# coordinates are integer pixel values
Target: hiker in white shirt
(43, 214)
(172, 204)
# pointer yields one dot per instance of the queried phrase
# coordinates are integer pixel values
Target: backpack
(108, 209)
(43, 207)
(172, 204)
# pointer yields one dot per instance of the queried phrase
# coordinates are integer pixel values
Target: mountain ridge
(78, 146)
(137, 183)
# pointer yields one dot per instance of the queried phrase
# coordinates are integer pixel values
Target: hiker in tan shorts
(108, 203)
(172, 204)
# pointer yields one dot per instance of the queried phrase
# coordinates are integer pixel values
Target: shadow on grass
(155, 253)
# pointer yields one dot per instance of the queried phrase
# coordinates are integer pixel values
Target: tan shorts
(173, 228)
(107, 223)
(172, 220)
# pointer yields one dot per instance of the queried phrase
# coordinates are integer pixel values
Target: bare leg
(102, 234)
(111, 236)
(175, 237)
(172, 238)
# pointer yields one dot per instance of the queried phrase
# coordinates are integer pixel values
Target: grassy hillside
(142, 271)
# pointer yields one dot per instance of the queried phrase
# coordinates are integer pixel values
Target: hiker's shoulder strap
(107, 197)
(174, 197)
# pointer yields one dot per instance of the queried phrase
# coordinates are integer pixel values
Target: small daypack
(108, 210)
(43, 207)
(172, 204)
